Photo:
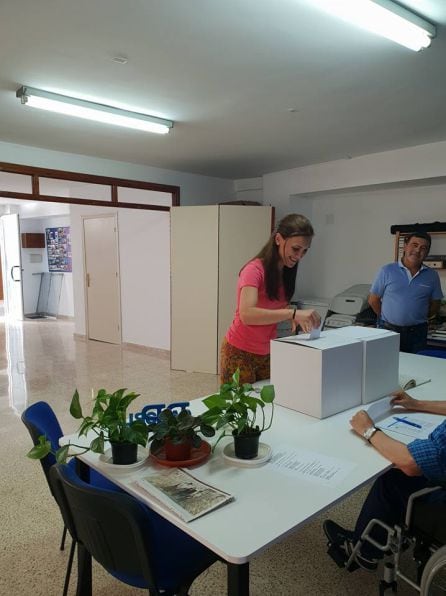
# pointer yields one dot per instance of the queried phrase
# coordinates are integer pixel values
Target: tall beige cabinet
(209, 246)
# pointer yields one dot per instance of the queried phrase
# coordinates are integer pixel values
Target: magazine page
(409, 382)
(418, 425)
(399, 420)
(182, 493)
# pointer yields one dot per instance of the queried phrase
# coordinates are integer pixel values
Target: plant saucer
(263, 456)
(198, 455)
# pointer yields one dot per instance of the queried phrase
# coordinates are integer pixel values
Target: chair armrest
(417, 494)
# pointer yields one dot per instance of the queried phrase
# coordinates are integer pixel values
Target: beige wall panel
(194, 284)
(243, 231)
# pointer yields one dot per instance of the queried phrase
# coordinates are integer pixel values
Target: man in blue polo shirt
(405, 294)
(417, 464)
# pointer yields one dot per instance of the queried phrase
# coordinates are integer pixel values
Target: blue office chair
(40, 419)
(132, 542)
(433, 353)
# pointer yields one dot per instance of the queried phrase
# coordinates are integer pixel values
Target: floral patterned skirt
(253, 367)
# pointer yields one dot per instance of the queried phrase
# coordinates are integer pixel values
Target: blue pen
(407, 422)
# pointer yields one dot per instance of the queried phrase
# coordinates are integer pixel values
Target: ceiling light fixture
(89, 110)
(384, 18)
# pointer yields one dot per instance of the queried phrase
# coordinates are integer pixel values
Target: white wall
(31, 283)
(144, 238)
(144, 248)
(144, 261)
(352, 204)
(353, 236)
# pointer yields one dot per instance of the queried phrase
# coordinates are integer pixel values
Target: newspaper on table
(182, 493)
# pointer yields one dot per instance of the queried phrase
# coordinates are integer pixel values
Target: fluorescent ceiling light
(384, 18)
(89, 110)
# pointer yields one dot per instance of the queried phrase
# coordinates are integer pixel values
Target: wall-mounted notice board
(58, 244)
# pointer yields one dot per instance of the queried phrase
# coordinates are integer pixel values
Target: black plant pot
(124, 453)
(246, 446)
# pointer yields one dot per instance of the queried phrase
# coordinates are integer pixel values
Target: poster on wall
(58, 244)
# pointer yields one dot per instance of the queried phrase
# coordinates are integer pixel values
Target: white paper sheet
(425, 424)
(310, 465)
(315, 333)
(385, 418)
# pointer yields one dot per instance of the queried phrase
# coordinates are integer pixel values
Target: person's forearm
(375, 303)
(253, 315)
(433, 407)
(434, 308)
(396, 452)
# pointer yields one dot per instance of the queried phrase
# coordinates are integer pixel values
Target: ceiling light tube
(89, 110)
(385, 18)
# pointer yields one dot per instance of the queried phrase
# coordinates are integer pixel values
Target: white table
(268, 504)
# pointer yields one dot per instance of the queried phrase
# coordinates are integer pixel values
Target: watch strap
(369, 432)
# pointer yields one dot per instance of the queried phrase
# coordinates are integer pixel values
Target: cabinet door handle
(88, 280)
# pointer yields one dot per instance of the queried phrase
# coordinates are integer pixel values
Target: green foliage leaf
(237, 405)
(97, 444)
(41, 450)
(62, 454)
(267, 393)
(75, 406)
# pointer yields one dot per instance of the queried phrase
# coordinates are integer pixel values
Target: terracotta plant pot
(124, 453)
(178, 451)
(246, 446)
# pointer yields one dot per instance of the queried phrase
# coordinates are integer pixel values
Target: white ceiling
(228, 72)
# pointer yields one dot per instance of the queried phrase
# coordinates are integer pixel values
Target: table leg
(238, 579)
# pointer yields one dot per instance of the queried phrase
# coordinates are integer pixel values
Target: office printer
(350, 307)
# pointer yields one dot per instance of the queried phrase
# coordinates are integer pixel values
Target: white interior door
(102, 281)
(12, 266)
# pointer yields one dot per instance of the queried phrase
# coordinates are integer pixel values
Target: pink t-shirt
(254, 338)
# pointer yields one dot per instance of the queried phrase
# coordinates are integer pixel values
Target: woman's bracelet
(294, 313)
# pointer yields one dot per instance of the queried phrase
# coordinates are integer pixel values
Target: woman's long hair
(291, 225)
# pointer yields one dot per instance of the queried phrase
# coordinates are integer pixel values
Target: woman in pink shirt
(265, 287)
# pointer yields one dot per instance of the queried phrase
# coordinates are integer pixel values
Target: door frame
(84, 264)
(7, 273)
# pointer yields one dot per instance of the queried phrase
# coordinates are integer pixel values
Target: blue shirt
(406, 299)
(430, 454)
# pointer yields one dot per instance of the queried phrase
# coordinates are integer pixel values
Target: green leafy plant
(108, 420)
(239, 407)
(178, 428)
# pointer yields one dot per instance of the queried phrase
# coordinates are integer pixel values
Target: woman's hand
(360, 422)
(400, 398)
(307, 319)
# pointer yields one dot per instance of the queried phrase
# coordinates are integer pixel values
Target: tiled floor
(40, 360)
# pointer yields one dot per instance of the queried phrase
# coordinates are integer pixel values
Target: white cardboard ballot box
(381, 350)
(319, 377)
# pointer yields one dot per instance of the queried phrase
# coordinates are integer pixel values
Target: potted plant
(242, 408)
(177, 434)
(108, 421)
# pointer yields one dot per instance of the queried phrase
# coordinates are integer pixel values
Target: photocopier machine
(350, 307)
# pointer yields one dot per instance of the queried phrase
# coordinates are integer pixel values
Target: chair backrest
(110, 525)
(40, 419)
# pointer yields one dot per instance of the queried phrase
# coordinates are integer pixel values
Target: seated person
(416, 465)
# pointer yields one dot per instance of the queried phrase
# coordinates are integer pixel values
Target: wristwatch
(369, 432)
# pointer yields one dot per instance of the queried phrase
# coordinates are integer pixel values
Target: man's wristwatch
(369, 432)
